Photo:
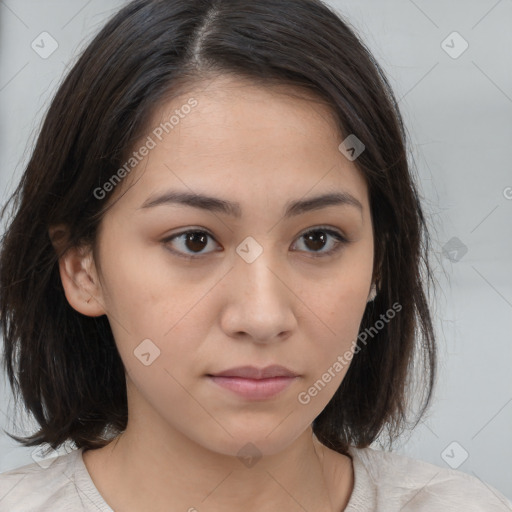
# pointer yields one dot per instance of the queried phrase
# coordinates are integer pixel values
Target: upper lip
(251, 372)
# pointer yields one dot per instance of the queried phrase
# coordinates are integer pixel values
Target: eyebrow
(215, 204)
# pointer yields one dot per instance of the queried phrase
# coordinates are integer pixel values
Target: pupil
(192, 239)
(313, 238)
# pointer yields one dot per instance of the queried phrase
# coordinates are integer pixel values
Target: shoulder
(391, 481)
(50, 484)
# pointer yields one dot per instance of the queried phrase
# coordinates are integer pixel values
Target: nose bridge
(255, 269)
(260, 304)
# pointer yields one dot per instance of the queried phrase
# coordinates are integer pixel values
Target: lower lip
(254, 389)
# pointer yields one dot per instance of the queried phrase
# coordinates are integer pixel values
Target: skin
(262, 148)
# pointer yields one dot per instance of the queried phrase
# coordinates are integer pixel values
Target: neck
(135, 470)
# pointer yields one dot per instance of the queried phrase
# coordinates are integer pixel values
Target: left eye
(317, 238)
(196, 240)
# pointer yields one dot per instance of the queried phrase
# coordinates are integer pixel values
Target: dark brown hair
(65, 366)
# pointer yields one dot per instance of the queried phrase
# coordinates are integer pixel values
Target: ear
(78, 274)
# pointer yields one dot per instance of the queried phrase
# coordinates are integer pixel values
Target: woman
(211, 284)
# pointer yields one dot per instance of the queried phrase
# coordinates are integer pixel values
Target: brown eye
(190, 243)
(317, 239)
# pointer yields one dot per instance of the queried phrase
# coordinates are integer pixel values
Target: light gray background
(458, 113)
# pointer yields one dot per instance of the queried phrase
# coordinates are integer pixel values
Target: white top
(383, 482)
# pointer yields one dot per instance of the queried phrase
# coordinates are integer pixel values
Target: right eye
(193, 240)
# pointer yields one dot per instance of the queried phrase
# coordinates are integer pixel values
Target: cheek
(158, 317)
(338, 301)
(164, 389)
(337, 310)
(144, 293)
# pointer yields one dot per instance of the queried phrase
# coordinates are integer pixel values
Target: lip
(251, 372)
(255, 384)
(253, 389)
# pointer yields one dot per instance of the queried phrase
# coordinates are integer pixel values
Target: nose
(260, 304)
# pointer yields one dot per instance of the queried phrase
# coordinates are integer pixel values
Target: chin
(255, 442)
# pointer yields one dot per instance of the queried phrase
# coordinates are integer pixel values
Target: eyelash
(340, 241)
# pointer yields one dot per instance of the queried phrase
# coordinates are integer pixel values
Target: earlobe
(78, 276)
(373, 293)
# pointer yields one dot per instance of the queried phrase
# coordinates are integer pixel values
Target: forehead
(245, 140)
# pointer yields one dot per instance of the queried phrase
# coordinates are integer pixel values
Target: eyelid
(340, 237)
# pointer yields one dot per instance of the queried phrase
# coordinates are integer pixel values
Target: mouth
(255, 384)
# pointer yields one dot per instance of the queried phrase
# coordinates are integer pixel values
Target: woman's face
(269, 282)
